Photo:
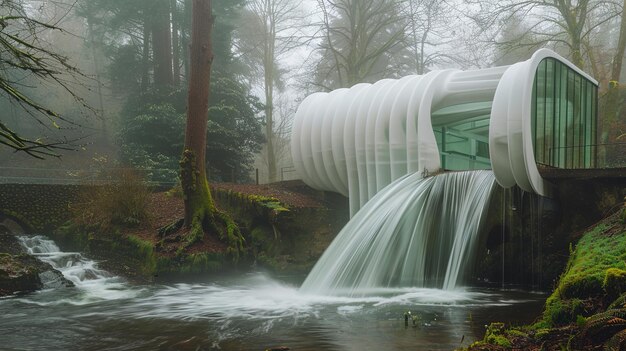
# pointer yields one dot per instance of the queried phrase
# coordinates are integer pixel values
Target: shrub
(122, 201)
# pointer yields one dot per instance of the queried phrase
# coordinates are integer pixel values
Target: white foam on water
(94, 283)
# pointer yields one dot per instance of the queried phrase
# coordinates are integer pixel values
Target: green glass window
(563, 117)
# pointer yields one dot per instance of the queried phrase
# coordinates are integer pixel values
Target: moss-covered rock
(614, 282)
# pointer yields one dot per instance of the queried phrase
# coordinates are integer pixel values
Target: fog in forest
(88, 85)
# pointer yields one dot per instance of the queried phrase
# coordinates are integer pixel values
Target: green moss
(495, 335)
(264, 240)
(204, 215)
(196, 232)
(541, 333)
(594, 254)
(580, 321)
(232, 235)
(253, 200)
(271, 203)
(597, 266)
(206, 262)
(561, 312)
(203, 262)
(75, 236)
(516, 332)
(145, 250)
(188, 173)
(614, 282)
(498, 340)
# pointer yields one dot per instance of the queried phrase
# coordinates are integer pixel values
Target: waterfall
(93, 282)
(415, 232)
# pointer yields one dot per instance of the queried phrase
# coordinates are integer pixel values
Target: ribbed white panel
(381, 133)
(350, 148)
(300, 138)
(397, 129)
(337, 98)
(360, 135)
(370, 136)
(338, 136)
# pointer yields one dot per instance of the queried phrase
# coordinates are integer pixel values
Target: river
(253, 311)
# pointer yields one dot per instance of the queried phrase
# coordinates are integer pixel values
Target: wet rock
(23, 273)
(8, 242)
(17, 276)
(53, 279)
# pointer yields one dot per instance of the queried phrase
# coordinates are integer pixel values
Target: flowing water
(420, 232)
(415, 232)
(249, 312)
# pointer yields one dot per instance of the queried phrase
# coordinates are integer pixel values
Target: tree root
(171, 228)
(208, 221)
(232, 235)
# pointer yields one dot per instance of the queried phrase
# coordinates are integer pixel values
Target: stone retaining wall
(37, 207)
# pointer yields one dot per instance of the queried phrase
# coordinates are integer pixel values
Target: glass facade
(462, 134)
(563, 115)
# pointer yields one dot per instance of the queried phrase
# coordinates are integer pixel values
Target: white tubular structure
(356, 141)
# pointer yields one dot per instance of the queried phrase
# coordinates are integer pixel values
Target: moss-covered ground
(587, 308)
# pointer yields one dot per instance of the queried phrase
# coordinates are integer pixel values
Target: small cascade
(416, 232)
(81, 271)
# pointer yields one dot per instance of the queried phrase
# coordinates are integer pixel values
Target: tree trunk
(269, 59)
(198, 201)
(200, 211)
(576, 52)
(184, 37)
(269, 129)
(616, 71)
(145, 59)
(162, 44)
(613, 103)
(175, 44)
(96, 66)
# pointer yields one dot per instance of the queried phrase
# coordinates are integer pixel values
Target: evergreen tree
(155, 103)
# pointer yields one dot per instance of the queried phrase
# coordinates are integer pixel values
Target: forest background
(113, 92)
